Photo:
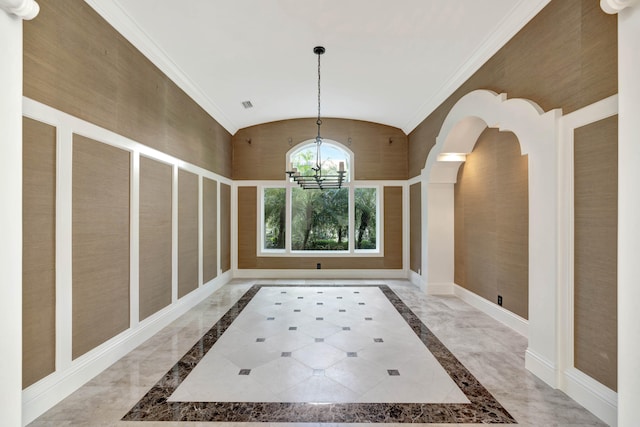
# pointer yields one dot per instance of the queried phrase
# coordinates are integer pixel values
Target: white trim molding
(597, 398)
(71, 373)
(23, 9)
(613, 7)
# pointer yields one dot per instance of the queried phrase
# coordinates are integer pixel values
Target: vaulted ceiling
(390, 62)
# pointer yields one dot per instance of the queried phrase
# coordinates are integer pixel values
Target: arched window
(331, 221)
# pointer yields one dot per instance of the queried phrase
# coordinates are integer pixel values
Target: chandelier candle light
(317, 180)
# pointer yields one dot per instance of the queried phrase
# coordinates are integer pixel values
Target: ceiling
(390, 62)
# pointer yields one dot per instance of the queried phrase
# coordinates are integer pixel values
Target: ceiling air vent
(247, 104)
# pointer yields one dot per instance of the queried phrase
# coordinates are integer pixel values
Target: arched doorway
(536, 132)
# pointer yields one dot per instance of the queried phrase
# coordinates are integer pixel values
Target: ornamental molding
(615, 6)
(23, 9)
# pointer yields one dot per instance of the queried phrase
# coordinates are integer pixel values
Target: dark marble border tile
(483, 409)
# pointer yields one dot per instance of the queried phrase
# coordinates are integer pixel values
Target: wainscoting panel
(210, 229)
(595, 250)
(225, 227)
(155, 236)
(187, 232)
(101, 212)
(415, 226)
(38, 251)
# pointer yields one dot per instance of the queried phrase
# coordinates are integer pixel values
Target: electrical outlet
(318, 266)
(500, 300)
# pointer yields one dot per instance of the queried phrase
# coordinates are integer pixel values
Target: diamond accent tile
(260, 339)
(285, 354)
(378, 340)
(393, 372)
(244, 372)
(352, 354)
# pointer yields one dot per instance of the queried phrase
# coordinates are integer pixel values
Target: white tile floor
(331, 356)
(492, 352)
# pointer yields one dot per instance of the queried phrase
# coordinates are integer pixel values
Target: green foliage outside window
(274, 218)
(320, 219)
(365, 218)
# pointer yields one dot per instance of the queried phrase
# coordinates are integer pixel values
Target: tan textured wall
(74, 61)
(373, 144)
(492, 222)
(566, 57)
(38, 251)
(225, 227)
(188, 262)
(100, 243)
(596, 249)
(415, 225)
(247, 226)
(156, 180)
(209, 229)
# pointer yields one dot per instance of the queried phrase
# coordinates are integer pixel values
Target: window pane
(320, 220)
(365, 218)
(274, 218)
(305, 159)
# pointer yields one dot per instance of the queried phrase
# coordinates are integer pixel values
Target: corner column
(628, 207)
(12, 12)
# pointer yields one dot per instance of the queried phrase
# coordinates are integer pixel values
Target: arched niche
(536, 132)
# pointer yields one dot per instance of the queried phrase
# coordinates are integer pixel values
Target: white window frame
(350, 184)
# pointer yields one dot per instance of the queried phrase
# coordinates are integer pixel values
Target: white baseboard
(439, 288)
(597, 398)
(416, 279)
(319, 274)
(502, 315)
(43, 395)
(540, 367)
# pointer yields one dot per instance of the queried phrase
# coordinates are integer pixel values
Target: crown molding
(521, 13)
(615, 6)
(116, 16)
(23, 9)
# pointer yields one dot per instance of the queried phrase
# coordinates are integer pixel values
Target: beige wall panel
(101, 189)
(209, 229)
(38, 251)
(459, 244)
(373, 144)
(76, 62)
(225, 227)
(70, 57)
(415, 226)
(247, 221)
(247, 226)
(480, 219)
(563, 58)
(491, 222)
(156, 180)
(392, 227)
(188, 255)
(512, 224)
(595, 250)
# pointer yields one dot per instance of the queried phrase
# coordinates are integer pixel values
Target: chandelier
(318, 180)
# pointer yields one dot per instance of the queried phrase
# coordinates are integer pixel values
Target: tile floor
(322, 353)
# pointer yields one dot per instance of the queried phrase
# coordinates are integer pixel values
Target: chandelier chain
(319, 121)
